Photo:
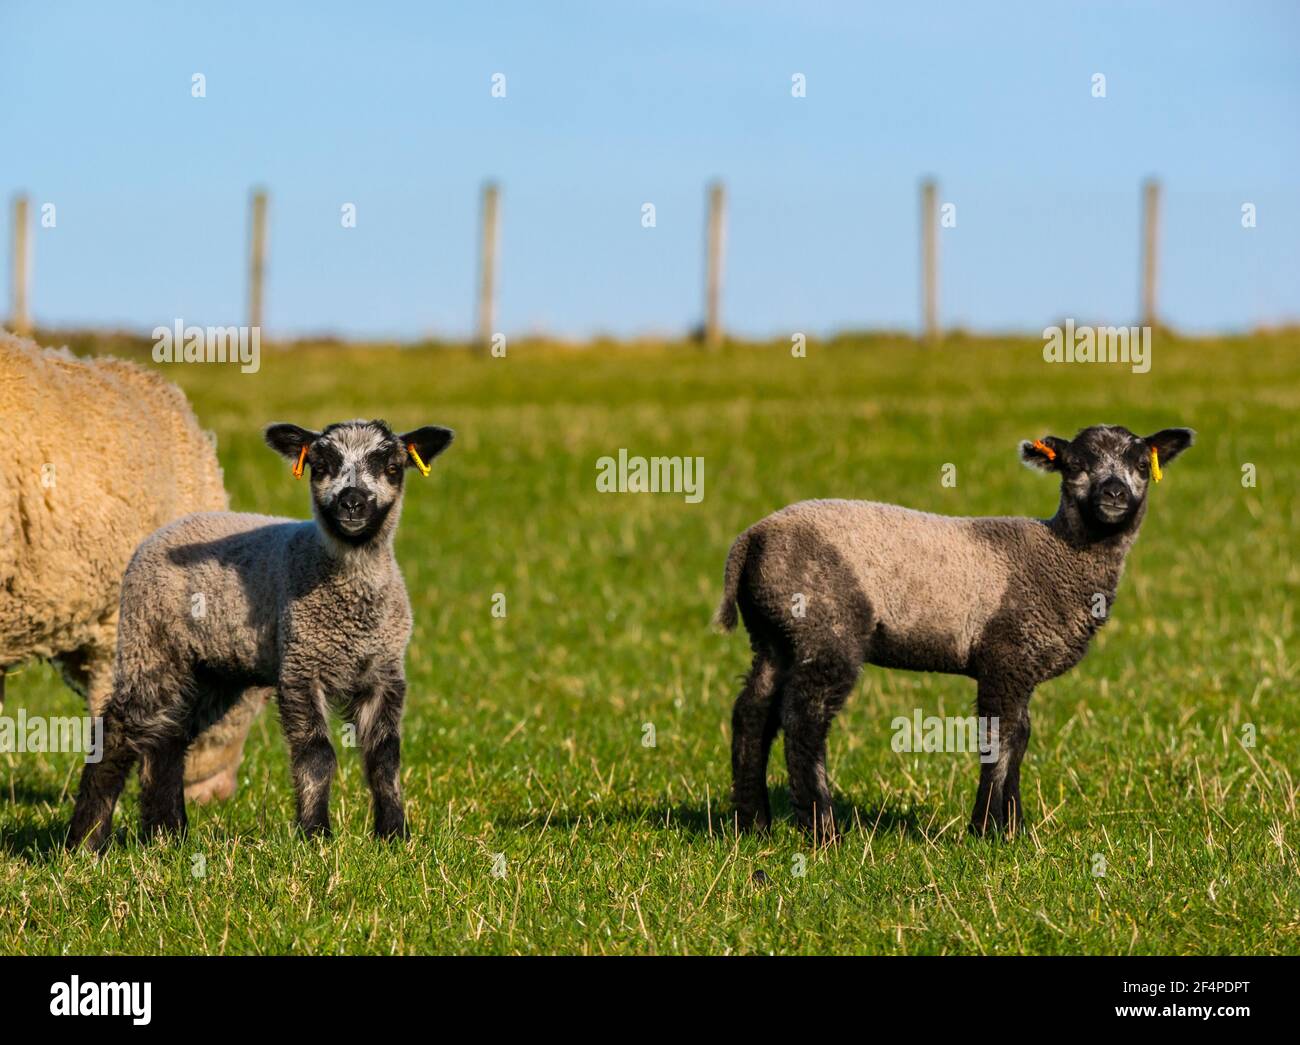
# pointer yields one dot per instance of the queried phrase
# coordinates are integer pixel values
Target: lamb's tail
(725, 618)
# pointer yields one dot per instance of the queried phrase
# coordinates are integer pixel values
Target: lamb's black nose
(1114, 490)
(352, 501)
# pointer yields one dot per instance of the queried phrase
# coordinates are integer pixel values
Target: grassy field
(540, 821)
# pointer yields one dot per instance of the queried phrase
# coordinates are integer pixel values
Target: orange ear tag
(297, 469)
(415, 456)
(1156, 473)
(1038, 444)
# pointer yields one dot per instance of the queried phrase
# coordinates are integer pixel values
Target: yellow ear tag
(1156, 473)
(415, 456)
(297, 469)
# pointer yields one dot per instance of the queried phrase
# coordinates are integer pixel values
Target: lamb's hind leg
(754, 722)
(101, 785)
(162, 784)
(812, 694)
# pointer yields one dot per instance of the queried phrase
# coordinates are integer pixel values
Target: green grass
(524, 735)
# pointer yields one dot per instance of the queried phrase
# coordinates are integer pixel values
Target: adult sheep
(97, 454)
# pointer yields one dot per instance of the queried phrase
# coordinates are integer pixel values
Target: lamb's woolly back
(915, 565)
(251, 569)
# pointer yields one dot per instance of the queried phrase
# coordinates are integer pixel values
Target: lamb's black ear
(429, 442)
(1170, 442)
(1044, 453)
(288, 440)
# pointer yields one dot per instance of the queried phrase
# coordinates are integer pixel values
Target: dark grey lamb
(1009, 602)
(219, 601)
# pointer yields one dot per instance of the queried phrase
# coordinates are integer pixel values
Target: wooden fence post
(1150, 246)
(256, 257)
(20, 319)
(715, 238)
(930, 260)
(487, 267)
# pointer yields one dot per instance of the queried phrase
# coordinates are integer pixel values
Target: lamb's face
(1106, 470)
(356, 478)
(357, 471)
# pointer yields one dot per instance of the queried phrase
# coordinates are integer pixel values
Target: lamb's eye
(1144, 466)
(393, 471)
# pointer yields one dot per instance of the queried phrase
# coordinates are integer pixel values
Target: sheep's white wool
(100, 453)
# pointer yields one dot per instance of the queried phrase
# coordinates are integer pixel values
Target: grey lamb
(1010, 602)
(217, 602)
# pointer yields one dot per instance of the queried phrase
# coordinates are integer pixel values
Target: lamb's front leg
(306, 728)
(1004, 714)
(378, 718)
(1019, 743)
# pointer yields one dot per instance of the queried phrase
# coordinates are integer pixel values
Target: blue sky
(610, 106)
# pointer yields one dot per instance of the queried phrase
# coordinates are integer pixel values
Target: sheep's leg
(812, 695)
(311, 755)
(99, 684)
(101, 785)
(378, 718)
(88, 672)
(754, 722)
(997, 802)
(162, 786)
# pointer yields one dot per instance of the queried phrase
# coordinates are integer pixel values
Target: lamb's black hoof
(91, 840)
(989, 827)
(752, 823)
(822, 831)
(163, 833)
